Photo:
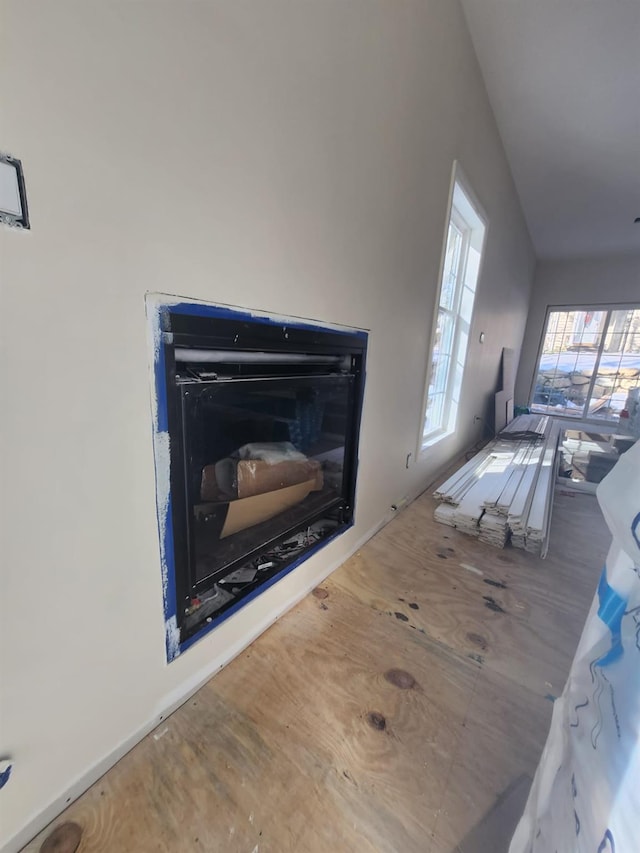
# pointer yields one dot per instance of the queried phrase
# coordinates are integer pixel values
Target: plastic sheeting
(585, 797)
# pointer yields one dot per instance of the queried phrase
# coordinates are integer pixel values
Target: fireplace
(262, 419)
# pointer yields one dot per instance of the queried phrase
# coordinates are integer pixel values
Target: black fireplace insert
(263, 420)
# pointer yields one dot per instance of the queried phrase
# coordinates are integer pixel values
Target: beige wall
(584, 281)
(282, 155)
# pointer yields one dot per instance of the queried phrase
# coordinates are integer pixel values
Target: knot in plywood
(400, 678)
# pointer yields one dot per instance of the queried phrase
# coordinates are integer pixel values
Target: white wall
(583, 281)
(283, 155)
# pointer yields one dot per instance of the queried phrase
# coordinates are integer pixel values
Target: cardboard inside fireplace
(212, 518)
(243, 513)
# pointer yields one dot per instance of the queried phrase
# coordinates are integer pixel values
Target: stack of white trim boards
(506, 490)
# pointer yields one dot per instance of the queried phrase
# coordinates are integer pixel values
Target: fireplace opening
(262, 420)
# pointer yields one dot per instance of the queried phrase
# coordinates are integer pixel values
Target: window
(459, 276)
(589, 362)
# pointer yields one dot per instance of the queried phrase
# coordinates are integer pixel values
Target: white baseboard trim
(173, 701)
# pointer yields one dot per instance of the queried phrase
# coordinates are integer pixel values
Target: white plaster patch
(152, 305)
(162, 463)
(173, 638)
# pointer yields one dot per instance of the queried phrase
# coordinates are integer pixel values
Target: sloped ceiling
(563, 77)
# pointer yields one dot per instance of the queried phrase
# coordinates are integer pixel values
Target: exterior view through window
(459, 277)
(589, 362)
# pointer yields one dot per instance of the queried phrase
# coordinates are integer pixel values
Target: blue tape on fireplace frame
(164, 510)
(156, 305)
(198, 309)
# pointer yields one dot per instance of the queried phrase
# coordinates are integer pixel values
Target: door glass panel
(619, 368)
(567, 361)
(574, 378)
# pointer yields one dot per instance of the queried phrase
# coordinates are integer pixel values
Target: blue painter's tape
(5, 775)
(607, 845)
(161, 427)
(219, 312)
(635, 526)
(170, 602)
(611, 610)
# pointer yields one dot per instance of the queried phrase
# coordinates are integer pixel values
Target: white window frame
(469, 217)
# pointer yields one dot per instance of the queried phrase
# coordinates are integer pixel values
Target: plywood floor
(393, 710)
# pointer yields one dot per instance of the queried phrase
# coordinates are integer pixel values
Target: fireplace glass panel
(261, 457)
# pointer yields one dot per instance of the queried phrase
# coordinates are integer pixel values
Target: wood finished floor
(310, 742)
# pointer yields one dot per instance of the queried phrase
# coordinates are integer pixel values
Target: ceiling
(563, 77)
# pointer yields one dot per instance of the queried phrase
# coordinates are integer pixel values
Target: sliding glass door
(589, 362)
